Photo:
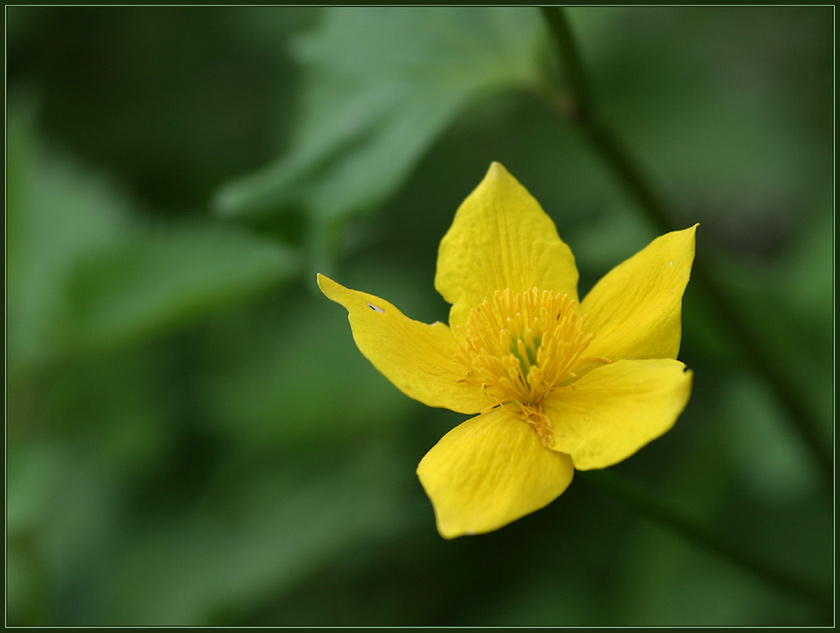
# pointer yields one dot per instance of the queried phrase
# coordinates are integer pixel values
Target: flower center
(521, 347)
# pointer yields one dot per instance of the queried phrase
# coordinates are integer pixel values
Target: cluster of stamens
(521, 347)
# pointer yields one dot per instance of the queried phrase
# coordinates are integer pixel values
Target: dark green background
(192, 436)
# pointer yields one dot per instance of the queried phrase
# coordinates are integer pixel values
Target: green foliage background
(192, 436)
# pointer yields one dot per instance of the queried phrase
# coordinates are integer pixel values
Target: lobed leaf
(382, 84)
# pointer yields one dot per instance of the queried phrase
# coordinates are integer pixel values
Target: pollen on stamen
(522, 346)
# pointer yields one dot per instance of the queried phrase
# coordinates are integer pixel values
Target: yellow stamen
(521, 347)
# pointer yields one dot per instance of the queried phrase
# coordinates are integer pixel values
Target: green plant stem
(647, 505)
(581, 111)
(569, 57)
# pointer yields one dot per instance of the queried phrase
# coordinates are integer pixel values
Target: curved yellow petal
(635, 309)
(616, 409)
(501, 238)
(489, 471)
(412, 355)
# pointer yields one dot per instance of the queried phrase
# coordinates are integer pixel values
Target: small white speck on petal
(376, 308)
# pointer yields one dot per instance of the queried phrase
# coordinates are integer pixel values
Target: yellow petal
(412, 355)
(616, 409)
(635, 309)
(501, 238)
(490, 471)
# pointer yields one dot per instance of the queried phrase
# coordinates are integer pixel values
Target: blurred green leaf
(84, 273)
(31, 471)
(57, 212)
(382, 84)
(62, 508)
(807, 273)
(164, 276)
(781, 471)
(270, 521)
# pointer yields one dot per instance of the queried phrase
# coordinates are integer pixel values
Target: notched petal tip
(329, 287)
(351, 299)
(325, 284)
(414, 356)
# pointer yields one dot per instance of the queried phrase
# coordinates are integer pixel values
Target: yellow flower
(557, 384)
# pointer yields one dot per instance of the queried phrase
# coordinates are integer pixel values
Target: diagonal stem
(648, 505)
(583, 113)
